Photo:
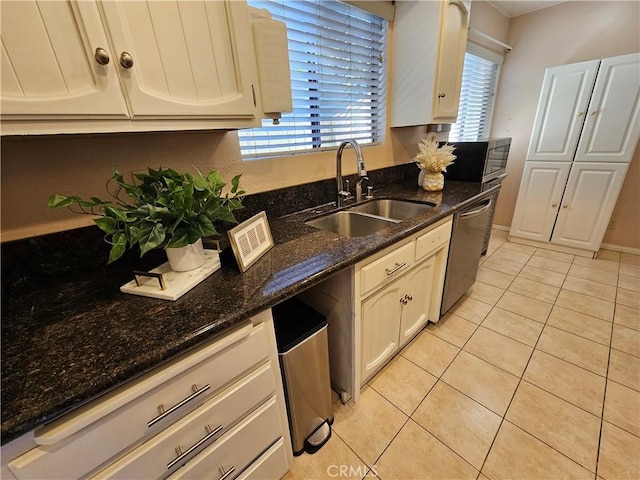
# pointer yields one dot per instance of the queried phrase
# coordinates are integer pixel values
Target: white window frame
(491, 56)
(376, 127)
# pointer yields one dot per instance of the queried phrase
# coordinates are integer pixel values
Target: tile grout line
(606, 383)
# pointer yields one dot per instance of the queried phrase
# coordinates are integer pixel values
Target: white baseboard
(606, 246)
(619, 248)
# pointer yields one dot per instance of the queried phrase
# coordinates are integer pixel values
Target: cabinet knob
(554, 205)
(403, 301)
(580, 114)
(442, 95)
(594, 112)
(126, 60)
(101, 56)
(408, 297)
(564, 205)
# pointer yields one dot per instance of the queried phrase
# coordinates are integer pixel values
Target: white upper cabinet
(430, 39)
(190, 58)
(588, 112)
(563, 103)
(587, 204)
(57, 62)
(81, 66)
(612, 123)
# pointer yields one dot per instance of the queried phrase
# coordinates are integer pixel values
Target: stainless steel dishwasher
(465, 249)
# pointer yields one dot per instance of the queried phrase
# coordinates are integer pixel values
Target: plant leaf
(118, 246)
(107, 224)
(59, 201)
(150, 236)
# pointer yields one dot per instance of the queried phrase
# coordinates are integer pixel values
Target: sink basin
(393, 209)
(350, 224)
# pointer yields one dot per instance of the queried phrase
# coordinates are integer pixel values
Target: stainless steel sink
(393, 209)
(350, 224)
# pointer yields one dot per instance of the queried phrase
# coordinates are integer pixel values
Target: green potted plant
(164, 209)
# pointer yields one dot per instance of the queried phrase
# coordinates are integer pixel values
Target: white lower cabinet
(374, 308)
(218, 406)
(587, 204)
(539, 197)
(408, 295)
(567, 204)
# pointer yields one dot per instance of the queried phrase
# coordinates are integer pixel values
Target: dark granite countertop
(74, 338)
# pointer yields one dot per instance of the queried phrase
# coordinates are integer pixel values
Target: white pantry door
(564, 98)
(539, 199)
(50, 67)
(589, 199)
(612, 125)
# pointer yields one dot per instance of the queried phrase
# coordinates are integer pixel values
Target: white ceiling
(513, 8)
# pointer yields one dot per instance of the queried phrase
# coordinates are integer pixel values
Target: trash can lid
(294, 322)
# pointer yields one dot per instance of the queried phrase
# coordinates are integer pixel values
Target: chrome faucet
(362, 172)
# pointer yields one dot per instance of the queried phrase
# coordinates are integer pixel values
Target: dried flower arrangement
(434, 159)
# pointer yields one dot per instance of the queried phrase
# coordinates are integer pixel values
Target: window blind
(479, 79)
(337, 79)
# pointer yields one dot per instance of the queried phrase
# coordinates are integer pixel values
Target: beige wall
(567, 33)
(33, 168)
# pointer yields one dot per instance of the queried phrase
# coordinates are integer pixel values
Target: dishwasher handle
(479, 211)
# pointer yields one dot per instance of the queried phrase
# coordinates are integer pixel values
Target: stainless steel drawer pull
(164, 413)
(227, 473)
(397, 267)
(182, 455)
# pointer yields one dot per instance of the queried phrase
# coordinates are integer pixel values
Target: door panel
(612, 125)
(589, 199)
(539, 199)
(453, 42)
(191, 58)
(561, 109)
(380, 327)
(419, 284)
(48, 64)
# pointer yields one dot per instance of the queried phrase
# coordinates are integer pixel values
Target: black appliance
(484, 161)
(481, 160)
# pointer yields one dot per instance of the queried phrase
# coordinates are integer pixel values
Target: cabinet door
(380, 320)
(453, 43)
(561, 109)
(589, 199)
(417, 294)
(612, 125)
(49, 67)
(191, 58)
(538, 199)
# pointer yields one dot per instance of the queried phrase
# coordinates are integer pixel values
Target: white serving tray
(177, 283)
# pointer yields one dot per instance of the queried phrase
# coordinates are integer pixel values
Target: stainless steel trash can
(301, 335)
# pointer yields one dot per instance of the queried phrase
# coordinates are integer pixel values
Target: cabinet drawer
(431, 241)
(386, 268)
(238, 448)
(154, 458)
(271, 464)
(73, 455)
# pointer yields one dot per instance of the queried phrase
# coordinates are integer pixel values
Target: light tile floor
(535, 373)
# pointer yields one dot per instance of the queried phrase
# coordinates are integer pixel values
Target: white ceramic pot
(189, 257)
(433, 182)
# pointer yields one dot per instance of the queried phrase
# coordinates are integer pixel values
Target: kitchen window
(336, 53)
(479, 82)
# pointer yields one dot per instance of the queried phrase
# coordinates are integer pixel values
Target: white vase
(433, 182)
(189, 257)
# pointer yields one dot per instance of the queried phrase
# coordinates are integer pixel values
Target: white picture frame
(251, 240)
